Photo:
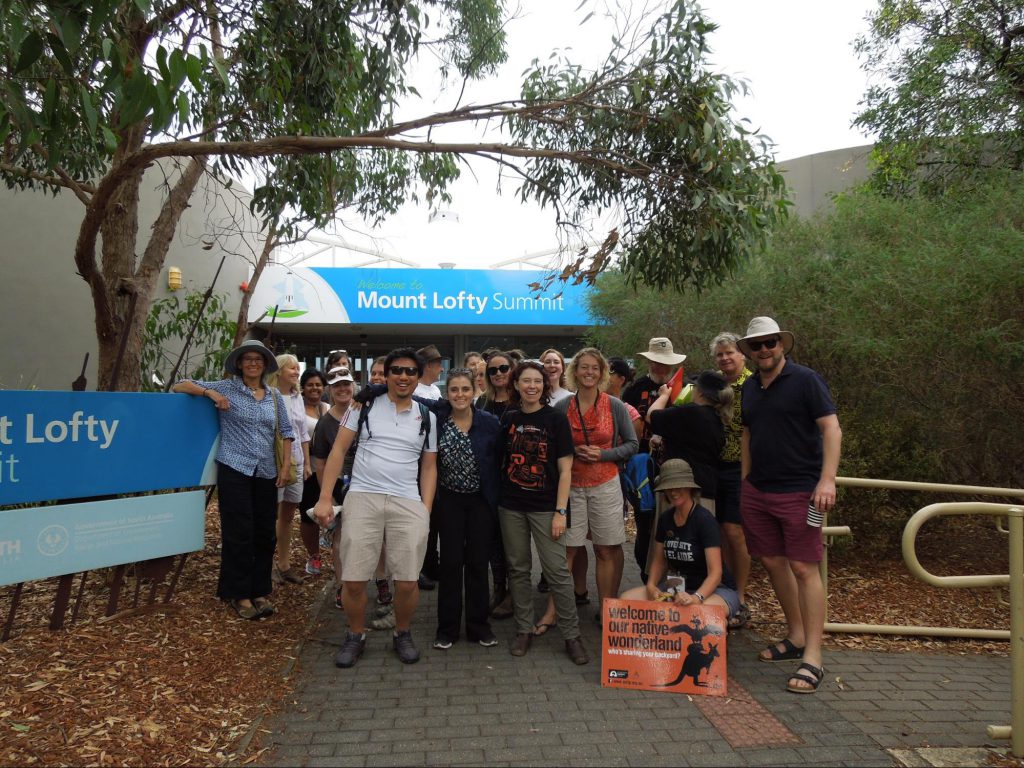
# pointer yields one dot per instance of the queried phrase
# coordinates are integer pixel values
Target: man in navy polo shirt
(790, 455)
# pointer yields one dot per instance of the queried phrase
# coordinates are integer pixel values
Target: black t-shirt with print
(531, 445)
(640, 394)
(685, 545)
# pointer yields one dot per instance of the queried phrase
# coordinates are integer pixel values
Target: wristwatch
(561, 511)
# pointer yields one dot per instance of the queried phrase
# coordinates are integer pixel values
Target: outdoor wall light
(173, 278)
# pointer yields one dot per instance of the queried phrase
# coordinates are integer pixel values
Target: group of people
(516, 455)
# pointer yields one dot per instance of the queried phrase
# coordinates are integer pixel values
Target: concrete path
(482, 706)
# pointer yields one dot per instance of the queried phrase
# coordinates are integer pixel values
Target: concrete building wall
(814, 179)
(46, 310)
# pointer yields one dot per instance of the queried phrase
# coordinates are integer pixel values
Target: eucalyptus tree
(947, 100)
(303, 95)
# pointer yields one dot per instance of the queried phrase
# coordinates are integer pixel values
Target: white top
(388, 458)
(312, 420)
(559, 395)
(428, 391)
(297, 416)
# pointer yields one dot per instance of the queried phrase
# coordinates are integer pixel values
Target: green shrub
(911, 309)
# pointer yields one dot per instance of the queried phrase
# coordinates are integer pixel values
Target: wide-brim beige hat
(660, 350)
(764, 326)
(250, 345)
(675, 473)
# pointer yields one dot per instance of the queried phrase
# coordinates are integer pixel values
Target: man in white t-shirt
(432, 366)
(394, 477)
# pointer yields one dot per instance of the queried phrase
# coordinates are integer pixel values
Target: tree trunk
(243, 311)
(122, 278)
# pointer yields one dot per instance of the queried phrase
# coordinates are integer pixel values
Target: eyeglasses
(495, 369)
(252, 359)
(408, 370)
(755, 346)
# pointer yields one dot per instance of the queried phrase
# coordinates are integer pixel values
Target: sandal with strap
(542, 627)
(813, 682)
(249, 612)
(740, 618)
(791, 652)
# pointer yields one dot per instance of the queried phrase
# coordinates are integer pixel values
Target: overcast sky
(796, 56)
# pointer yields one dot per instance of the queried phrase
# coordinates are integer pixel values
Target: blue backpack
(637, 481)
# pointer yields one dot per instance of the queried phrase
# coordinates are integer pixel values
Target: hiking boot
(405, 647)
(384, 596)
(426, 583)
(521, 644)
(576, 651)
(500, 593)
(313, 565)
(350, 651)
(503, 610)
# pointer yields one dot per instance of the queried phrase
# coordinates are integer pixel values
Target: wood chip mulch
(178, 686)
(184, 685)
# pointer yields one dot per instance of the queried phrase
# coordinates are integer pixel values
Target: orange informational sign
(655, 646)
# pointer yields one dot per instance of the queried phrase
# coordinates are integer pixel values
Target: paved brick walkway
(476, 706)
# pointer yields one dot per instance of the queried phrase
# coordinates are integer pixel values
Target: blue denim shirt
(247, 427)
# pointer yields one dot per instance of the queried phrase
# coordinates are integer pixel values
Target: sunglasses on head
(755, 346)
(495, 369)
(408, 370)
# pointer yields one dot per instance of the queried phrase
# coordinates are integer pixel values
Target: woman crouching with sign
(247, 474)
(686, 567)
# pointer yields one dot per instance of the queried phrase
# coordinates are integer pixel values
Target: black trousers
(248, 515)
(644, 523)
(465, 524)
(499, 566)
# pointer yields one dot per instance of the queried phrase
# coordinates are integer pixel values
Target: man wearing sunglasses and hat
(662, 361)
(790, 455)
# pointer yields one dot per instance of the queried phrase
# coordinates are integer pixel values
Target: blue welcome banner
(66, 445)
(469, 297)
(40, 542)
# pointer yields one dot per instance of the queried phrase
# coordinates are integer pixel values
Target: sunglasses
(755, 346)
(408, 370)
(495, 369)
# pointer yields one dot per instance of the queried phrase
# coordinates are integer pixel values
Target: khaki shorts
(597, 509)
(367, 517)
(292, 493)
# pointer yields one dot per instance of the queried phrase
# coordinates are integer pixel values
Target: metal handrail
(897, 629)
(1014, 514)
(1015, 579)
